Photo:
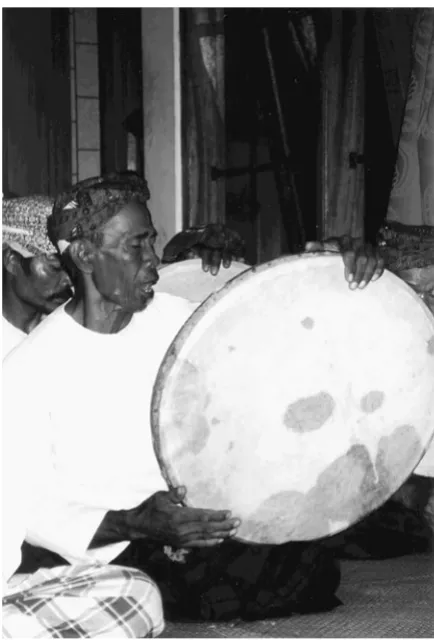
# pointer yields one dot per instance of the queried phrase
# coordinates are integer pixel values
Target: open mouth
(151, 281)
(147, 288)
(62, 296)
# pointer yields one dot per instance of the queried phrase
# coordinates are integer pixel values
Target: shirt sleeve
(52, 518)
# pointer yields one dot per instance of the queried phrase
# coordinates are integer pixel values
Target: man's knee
(144, 593)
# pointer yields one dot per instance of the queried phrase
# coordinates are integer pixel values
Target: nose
(65, 280)
(150, 258)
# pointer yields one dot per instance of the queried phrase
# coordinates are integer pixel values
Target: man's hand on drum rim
(162, 518)
(214, 244)
(363, 262)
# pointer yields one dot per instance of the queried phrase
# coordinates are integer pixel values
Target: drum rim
(184, 333)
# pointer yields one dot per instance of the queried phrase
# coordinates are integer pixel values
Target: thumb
(177, 494)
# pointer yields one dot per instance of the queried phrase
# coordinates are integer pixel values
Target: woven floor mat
(392, 598)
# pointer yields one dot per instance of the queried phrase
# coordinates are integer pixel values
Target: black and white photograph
(218, 322)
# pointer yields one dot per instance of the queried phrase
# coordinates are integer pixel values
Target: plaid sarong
(83, 601)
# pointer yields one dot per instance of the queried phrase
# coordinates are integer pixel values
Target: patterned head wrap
(89, 204)
(24, 225)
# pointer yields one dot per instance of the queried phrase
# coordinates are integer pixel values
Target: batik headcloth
(81, 211)
(24, 225)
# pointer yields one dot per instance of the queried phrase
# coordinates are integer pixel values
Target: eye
(136, 243)
(53, 264)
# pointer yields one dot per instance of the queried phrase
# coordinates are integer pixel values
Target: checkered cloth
(83, 601)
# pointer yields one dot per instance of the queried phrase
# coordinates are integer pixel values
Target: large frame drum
(294, 402)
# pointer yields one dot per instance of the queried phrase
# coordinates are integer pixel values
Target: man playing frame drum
(86, 374)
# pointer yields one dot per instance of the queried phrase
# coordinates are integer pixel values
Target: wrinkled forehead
(133, 219)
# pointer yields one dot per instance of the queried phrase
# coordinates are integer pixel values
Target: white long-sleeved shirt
(11, 337)
(83, 399)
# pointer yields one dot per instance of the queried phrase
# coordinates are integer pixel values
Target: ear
(11, 261)
(82, 253)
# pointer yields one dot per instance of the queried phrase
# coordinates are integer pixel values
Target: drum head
(294, 402)
(187, 279)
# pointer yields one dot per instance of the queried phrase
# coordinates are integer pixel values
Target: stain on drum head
(301, 429)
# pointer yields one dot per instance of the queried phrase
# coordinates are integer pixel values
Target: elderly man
(87, 374)
(34, 281)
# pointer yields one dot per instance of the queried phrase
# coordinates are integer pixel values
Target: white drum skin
(187, 279)
(294, 402)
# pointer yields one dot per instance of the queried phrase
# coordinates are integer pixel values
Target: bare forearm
(181, 244)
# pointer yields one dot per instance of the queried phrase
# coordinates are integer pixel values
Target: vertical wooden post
(162, 119)
(342, 132)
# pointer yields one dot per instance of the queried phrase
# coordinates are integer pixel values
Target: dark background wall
(249, 102)
(36, 101)
(37, 113)
(120, 83)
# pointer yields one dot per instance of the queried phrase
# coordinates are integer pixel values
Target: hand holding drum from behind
(162, 518)
(363, 262)
(214, 244)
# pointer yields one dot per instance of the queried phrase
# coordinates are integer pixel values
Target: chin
(142, 302)
(49, 307)
(52, 305)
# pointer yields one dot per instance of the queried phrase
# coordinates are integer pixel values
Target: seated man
(86, 374)
(83, 600)
(34, 281)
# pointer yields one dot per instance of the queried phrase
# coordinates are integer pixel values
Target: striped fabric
(83, 601)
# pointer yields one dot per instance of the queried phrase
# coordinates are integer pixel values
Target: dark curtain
(342, 182)
(393, 29)
(36, 101)
(120, 78)
(203, 114)
(412, 196)
(272, 119)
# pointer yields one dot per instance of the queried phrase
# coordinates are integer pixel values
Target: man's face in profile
(125, 263)
(42, 282)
